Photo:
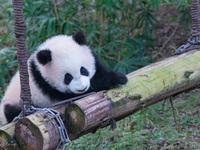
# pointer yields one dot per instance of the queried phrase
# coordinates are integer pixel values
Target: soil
(170, 33)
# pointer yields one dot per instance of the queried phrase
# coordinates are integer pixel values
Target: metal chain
(55, 116)
(182, 48)
(71, 99)
(193, 41)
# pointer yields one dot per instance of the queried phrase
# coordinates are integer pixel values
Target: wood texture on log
(9, 129)
(95, 110)
(37, 131)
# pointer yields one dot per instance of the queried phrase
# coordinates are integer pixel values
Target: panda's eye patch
(84, 71)
(68, 78)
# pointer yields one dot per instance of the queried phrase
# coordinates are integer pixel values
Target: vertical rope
(195, 13)
(20, 31)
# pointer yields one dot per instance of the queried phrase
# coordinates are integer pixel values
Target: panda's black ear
(44, 56)
(80, 38)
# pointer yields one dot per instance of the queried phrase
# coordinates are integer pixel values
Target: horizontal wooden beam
(145, 87)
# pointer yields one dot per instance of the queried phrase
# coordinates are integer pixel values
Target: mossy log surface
(145, 87)
(156, 82)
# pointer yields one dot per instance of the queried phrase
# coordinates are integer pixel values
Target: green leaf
(41, 28)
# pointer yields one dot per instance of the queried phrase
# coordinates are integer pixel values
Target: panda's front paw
(118, 78)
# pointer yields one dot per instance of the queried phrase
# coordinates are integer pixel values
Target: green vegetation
(152, 128)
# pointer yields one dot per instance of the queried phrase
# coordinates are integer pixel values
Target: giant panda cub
(62, 67)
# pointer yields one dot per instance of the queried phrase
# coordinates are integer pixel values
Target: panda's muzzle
(83, 90)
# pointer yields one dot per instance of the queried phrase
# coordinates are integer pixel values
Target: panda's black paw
(11, 111)
(118, 78)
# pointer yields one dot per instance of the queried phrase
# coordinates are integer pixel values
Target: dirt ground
(170, 33)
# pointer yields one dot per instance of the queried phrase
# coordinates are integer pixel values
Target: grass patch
(152, 128)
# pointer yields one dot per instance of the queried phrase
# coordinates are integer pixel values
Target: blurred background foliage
(120, 32)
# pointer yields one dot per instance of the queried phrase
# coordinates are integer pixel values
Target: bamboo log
(82, 118)
(38, 131)
(145, 87)
(7, 131)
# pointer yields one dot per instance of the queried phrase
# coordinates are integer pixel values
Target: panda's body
(62, 67)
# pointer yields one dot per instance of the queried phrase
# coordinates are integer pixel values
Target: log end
(6, 141)
(74, 118)
(28, 135)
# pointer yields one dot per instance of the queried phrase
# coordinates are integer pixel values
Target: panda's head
(66, 63)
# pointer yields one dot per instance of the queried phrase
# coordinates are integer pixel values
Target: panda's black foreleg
(11, 111)
(107, 80)
(117, 78)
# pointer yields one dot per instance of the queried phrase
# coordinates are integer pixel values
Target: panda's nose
(82, 90)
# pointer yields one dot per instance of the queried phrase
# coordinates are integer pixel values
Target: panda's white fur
(50, 66)
(12, 95)
(69, 56)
